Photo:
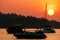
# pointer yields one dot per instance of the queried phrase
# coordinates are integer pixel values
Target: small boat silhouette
(27, 35)
(48, 29)
(14, 29)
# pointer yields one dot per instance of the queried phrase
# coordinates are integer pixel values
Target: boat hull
(9, 31)
(48, 31)
(30, 36)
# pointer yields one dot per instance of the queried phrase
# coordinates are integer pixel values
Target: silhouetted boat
(27, 35)
(19, 33)
(48, 29)
(14, 29)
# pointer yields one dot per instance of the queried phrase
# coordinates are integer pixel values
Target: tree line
(25, 21)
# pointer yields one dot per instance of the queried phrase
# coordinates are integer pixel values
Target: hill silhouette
(25, 21)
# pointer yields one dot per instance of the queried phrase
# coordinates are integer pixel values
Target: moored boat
(14, 29)
(30, 35)
(48, 29)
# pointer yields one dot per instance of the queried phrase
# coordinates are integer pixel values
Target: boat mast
(45, 10)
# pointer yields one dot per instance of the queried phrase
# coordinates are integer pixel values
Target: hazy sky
(31, 7)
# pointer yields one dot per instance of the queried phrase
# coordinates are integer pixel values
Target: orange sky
(31, 7)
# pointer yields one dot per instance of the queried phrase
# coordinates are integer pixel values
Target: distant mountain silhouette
(25, 21)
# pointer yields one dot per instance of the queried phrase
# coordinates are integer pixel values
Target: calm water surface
(50, 36)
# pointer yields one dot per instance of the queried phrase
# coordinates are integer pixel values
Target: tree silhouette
(25, 21)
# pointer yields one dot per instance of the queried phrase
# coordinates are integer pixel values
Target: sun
(51, 12)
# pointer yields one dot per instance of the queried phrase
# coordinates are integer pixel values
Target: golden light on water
(30, 29)
(51, 12)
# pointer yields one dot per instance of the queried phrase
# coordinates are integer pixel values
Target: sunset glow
(34, 8)
(50, 12)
